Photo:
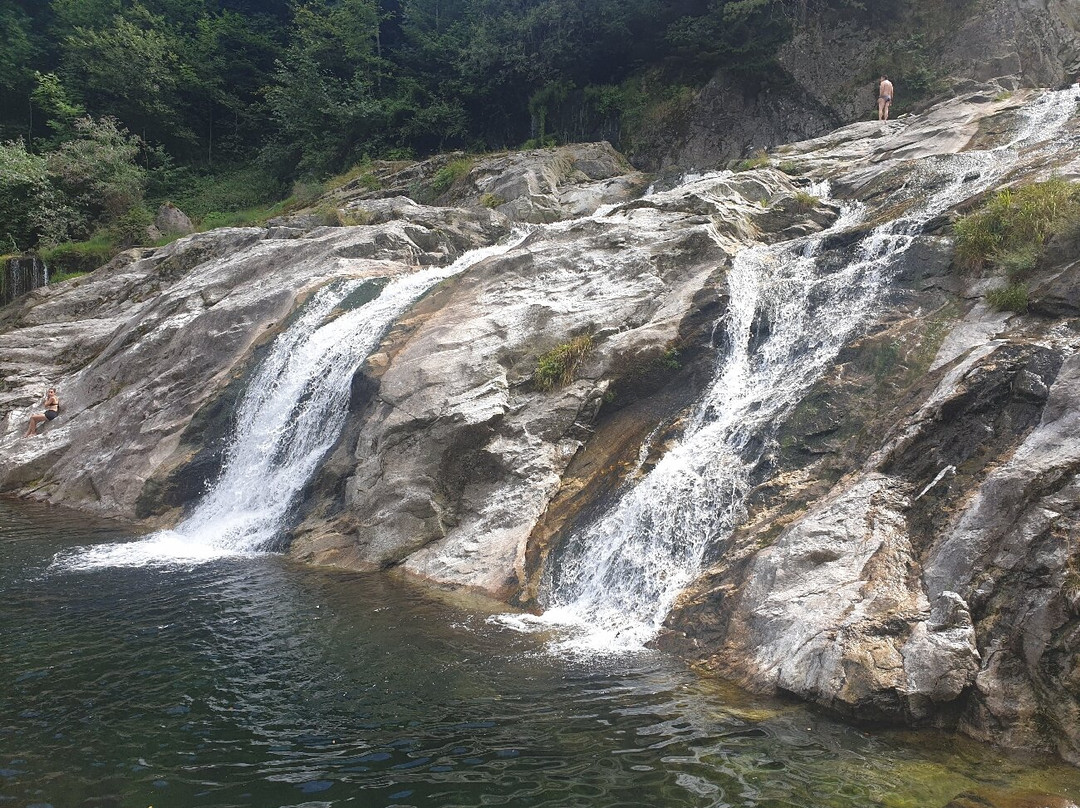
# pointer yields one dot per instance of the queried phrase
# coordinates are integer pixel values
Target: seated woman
(52, 409)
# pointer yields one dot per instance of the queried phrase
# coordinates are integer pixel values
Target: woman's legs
(35, 421)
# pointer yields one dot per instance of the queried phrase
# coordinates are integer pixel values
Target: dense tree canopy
(307, 87)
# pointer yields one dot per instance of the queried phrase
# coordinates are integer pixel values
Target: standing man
(884, 99)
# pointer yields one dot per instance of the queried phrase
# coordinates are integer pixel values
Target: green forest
(108, 107)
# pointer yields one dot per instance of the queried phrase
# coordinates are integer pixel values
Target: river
(252, 681)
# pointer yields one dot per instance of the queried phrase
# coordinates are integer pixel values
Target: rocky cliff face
(909, 552)
(828, 75)
(906, 548)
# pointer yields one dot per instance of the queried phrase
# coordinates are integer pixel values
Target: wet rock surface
(907, 552)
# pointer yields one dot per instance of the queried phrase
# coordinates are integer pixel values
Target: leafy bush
(557, 366)
(1009, 298)
(356, 217)
(330, 215)
(804, 202)
(29, 207)
(450, 173)
(98, 173)
(492, 200)
(130, 229)
(360, 175)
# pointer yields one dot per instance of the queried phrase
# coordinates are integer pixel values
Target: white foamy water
(788, 318)
(292, 414)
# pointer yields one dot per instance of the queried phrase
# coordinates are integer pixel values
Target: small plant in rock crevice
(804, 202)
(556, 368)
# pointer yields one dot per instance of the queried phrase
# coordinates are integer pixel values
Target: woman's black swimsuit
(50, 414)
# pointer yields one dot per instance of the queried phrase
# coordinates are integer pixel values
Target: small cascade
(22, 274)
(290, 417)
(788, 318)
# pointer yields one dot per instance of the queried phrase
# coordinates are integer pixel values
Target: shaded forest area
(222, 105)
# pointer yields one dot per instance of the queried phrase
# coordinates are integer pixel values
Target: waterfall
(291, 415)
(22, 274)
(787, 320)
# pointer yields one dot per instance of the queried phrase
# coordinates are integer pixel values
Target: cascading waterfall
(290, 417)
(20, 275)
(787, 320)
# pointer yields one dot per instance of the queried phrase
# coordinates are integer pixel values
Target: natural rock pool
(257, 682)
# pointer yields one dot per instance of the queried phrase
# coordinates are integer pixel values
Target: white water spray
(290, 417)
(788, 318)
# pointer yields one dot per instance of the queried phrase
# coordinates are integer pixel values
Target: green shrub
(130, 228)
(492, 200)
(355, 217)
(1009, 298)
(804, 202)
(229, 191)
(60, 277)
(450, 173)
(360, 175)
(556, 368)
(793, 169)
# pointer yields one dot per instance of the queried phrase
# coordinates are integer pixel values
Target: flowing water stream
(789, 315)
(292, 414)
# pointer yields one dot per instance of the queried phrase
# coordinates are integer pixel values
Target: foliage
(330, 215)
(450, 173)
(557, 366)
(1018, 262)
(303, 89)
(742, 35)
(97, 174)
(804, 202)
(1013, 297)
(492, 201)
(230, 190)
(130, 229)
(759, 160)
(28, 204)
(76, 258)
(1015, 223)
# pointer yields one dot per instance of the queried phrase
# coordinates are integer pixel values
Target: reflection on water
(253, 682)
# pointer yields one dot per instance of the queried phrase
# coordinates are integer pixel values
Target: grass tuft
(1013, 297)
(759, 160)
(450, 173)
(556, 368)
(1012, 228)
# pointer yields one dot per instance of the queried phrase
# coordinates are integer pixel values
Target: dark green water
(255, 682)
